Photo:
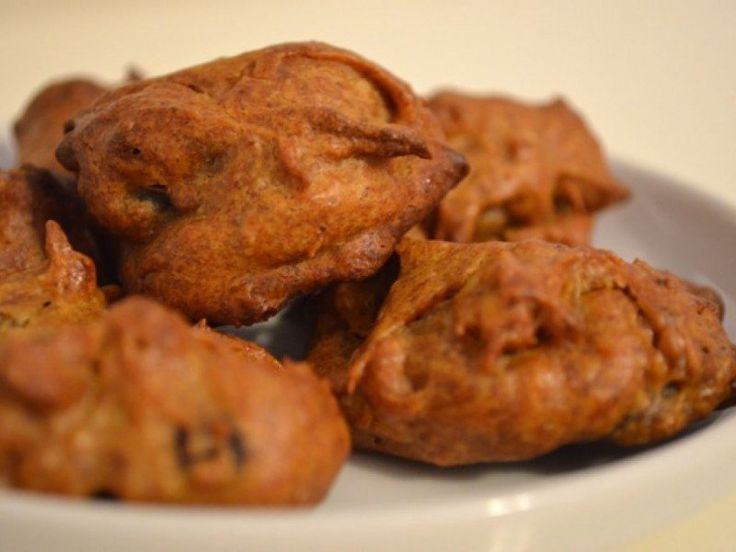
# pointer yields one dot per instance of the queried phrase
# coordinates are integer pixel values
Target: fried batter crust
(59, 290)
(30, 197)
(43, 281)
(141, 406)
(505, 351)
(535, 172)
(40, 128)
(24, 208)
(241, 183)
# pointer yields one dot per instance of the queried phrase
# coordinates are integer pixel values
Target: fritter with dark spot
(242, 183)
(140, 406)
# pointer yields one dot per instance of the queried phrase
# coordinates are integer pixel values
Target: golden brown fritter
(58, 290)
(141, 406)
(535, 172)
(25, 206)
(43, 281)
(40, 128)
(28, 198)
(239, 184)
(505, 351)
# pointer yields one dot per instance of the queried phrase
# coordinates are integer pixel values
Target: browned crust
(536, 171)
(61, 290)
(505, 351)
(40, 127)
(239, 184)
(141, 406)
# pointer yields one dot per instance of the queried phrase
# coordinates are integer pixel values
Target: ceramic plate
(580, 498)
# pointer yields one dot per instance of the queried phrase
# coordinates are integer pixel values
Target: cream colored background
(657, 80)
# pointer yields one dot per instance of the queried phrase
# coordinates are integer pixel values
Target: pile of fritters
(224, 191)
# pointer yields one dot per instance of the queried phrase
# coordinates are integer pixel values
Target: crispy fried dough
(710, 295)
(43, 280)
(58, 290)
(535, 172)
(28, 198)
(244, 182)
(25, 206)
(139, 405)
(505, 351)
(40, 128)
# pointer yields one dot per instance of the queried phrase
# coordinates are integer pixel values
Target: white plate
(581, 498)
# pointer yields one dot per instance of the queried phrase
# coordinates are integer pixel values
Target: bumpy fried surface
(43, 281)
(241, 183)
(41, 126)
(505, 351)
(28, 198)
(708, 294)
(25, 206)
(141, 406)
(535, 172)
(57, 290)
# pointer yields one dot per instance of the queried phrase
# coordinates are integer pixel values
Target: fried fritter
(59, 290)
(24, 208)
(43, 281)
(239, 184)
(535, 172)
(505, 351)
(28, 198)
(40, 128)
(708, 294)
(139, 405)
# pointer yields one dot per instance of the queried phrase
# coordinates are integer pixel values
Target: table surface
(656, 80)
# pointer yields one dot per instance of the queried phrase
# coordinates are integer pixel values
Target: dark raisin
(543, 335)
(238, 449)
(670, 390)
(562, 205)
(205, 447)
(181, 438)
(104, 494)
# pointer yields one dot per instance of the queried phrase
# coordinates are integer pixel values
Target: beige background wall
(656, 79)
